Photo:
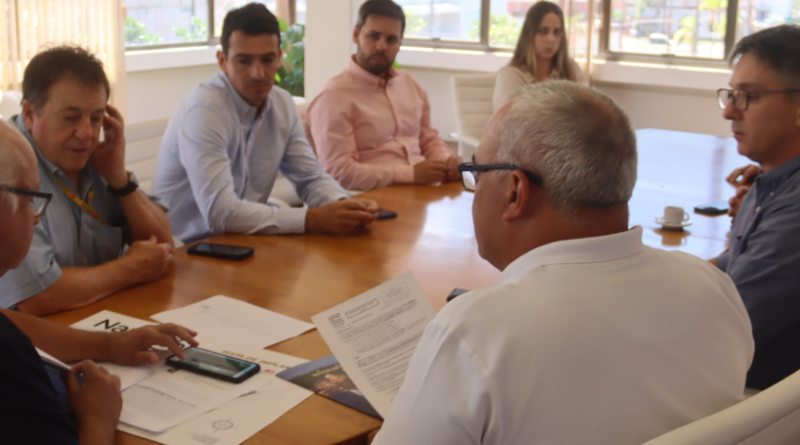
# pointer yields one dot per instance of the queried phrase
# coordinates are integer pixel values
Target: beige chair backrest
(473, 99)
(771, 417)
(142, 143)
(10, 104)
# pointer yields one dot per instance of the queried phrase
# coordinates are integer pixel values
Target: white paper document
(374, 336)
(223, 321)
(108, 321)
(172, 396)
(47, 358)
(234, 422)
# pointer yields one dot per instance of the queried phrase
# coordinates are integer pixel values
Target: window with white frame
(156, 24)
(674, 29)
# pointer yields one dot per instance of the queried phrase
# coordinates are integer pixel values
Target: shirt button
(758, 209)
(771, 193)
(85, 227)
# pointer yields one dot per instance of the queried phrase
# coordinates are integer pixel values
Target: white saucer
(672, 226)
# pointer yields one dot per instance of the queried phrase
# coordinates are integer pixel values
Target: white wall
(155, 94)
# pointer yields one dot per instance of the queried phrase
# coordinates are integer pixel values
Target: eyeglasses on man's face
(470, 171)
(38, 202)
(741, 98)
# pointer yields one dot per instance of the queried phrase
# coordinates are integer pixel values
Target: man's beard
(367, 62)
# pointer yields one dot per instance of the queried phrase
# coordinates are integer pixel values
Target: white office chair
(10, 104)
(770, 417)
(473, 96)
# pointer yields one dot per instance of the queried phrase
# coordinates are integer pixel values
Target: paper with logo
(236, 421)
(171, 396)
(374, 336)
(223, 322)
(108, 321)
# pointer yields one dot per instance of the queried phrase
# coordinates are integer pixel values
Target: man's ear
(797, 120)
(355, 34)
(221, 61)
(27, 113)
(518, 196)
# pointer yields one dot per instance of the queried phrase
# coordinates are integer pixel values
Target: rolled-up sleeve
(331, 126)
(202, 140)
(37, 272)
(315, 187)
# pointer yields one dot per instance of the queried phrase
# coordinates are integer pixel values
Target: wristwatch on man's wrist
(129, 188)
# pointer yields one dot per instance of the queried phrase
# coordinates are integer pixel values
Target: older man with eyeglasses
(763, 260)
(588, 328)
(36, 406)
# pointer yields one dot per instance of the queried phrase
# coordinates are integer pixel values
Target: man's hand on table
(148, 260)
(452, 168)
(132, 347)
(342, 217)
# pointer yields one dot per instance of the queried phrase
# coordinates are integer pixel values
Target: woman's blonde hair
(525, 52)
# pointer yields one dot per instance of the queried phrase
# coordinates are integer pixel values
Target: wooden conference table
(433, 237)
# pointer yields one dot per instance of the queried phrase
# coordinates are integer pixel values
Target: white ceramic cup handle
(685, 216)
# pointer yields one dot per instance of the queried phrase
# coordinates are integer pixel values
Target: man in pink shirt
(371, 124)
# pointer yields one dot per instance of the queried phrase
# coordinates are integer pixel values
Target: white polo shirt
(590, 341)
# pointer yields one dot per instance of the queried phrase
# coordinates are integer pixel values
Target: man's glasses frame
(726, 94)
(39, 206)
(470, 180)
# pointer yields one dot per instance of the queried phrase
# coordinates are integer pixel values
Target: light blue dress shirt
(219, 160)
(764, 263)
(66, 236)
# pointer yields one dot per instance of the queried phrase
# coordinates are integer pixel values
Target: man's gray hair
(577, 139)
(9, 170)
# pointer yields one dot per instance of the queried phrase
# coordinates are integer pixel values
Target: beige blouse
(510, 78)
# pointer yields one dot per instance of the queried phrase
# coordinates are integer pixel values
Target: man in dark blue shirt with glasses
(763, 260)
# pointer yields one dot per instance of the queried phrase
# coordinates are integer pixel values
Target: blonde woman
(541, 54)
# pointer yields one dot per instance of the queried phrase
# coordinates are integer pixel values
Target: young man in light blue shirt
(227, 141)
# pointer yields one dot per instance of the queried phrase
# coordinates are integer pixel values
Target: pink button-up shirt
(369, 132)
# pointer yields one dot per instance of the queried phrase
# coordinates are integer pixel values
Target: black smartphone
(223, 251)
(386, 213)
(223, 367)
(713, 208)
(456, 292)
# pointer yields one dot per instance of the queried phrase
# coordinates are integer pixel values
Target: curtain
(28, 26)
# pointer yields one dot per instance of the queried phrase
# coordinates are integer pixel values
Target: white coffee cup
(675, 215)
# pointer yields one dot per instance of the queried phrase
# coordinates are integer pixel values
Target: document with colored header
(237, 420)
(374, 336)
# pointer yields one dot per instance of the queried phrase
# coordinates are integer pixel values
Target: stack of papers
(177, 407)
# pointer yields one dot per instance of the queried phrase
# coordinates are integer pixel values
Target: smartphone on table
(713, 208)
(223, 367)
(386, 213)
(224, 251)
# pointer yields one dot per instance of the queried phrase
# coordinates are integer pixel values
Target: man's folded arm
(299, 164)
(202, 148)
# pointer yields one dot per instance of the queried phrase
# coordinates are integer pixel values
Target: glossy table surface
(302, 275)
